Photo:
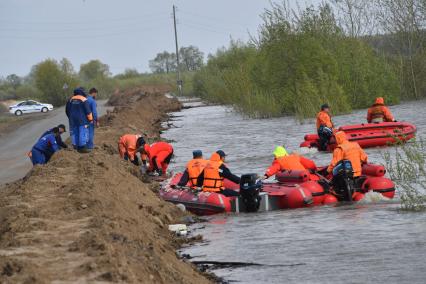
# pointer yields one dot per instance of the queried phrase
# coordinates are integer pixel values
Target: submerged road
(14, 162)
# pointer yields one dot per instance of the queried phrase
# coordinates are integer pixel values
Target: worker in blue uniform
(92, 102)
(80, 116)
(59, 141)
(44, 148)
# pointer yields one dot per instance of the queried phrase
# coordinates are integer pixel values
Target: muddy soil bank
(88, 217)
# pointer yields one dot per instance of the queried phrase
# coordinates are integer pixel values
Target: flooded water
(372, 242)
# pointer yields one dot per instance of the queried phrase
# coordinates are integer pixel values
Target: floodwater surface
(370, 242)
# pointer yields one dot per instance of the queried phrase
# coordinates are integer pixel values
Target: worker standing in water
(287, 162)
(214, 173)
(129, 145)
(159, 156)
(93, 108)
(193, 169)
(80, 116)
(378, 112)
(325, 127)
(350, 151)
(45, 147)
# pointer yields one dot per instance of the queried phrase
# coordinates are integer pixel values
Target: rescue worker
(93, 108)
(159, 156)
(347, 150)
(129, 145)
(214, 173)
(59, 140)
(61, 144)
(378, 112)
(324, 127)
(80, 116)
(285, 162)
(44, 148)
(193, 169)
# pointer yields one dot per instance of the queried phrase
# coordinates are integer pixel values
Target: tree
(128, 73)
(163, 62)
(50, 78)
(356, 16)
(406, 19)
(94, 69)
(191, 58)
(14, 80)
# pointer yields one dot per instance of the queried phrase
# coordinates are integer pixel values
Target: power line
(102, 20)
(55, 37)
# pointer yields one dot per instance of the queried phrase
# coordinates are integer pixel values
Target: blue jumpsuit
(92, 103)
(80, 117)
(44, 149)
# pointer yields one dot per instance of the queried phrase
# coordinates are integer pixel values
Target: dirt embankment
(86, 217)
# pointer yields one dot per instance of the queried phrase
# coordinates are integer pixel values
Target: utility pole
(179, 80)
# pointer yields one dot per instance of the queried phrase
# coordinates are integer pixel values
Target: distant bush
(3, 109)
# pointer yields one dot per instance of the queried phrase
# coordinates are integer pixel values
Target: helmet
(280, 151)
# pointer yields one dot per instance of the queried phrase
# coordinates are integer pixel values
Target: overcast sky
(123, 34)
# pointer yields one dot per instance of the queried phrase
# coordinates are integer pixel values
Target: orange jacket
(379, 110)
(348, 151)
(324, 119)
(213, 182)
(127, 144)
(160, 151)
(195, 168)
(290, 162)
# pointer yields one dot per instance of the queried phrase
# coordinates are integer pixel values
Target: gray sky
(125, 33)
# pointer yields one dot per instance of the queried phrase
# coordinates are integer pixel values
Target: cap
(140, 142)
(79, 91)
(221, 153)
(324, 106)
(197, 153)
(63, 127)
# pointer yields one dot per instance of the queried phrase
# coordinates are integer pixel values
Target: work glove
(160, 172)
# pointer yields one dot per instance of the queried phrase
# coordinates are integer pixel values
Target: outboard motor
(249, 192)
(343, 180)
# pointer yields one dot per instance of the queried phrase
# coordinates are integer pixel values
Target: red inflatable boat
(293, 189)
(369, 134)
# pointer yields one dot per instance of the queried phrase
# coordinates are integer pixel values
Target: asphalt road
(14, 162)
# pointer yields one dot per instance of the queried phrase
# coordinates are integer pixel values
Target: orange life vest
(351, 151)
(290, 162)
(213, 182)
(195, 168)
(324, 119)
(377, 111)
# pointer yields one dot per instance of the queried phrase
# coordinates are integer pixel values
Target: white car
(28, 107)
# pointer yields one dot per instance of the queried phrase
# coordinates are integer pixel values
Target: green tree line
(53, 81)
(324, 54)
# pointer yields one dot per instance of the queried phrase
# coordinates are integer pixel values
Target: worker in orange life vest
(193, 169)
(129, 145)
(379, 112)
(214, 173)
(159, 155)
(286, 162)
(347, 150)
(325, 127)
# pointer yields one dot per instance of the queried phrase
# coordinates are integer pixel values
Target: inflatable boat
(369, 135)
(292, 189)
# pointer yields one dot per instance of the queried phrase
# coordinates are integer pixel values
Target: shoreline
(90, 217)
